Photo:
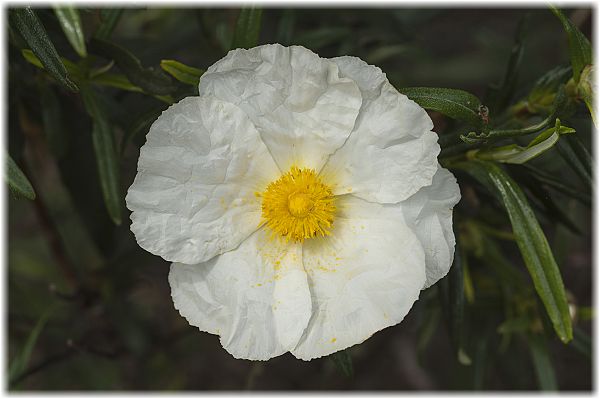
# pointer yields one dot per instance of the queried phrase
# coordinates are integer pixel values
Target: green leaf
(16, 179)
(120, 81)
(109, 19)
(502, 93)
(427, 328)
(29, 26)
(580, 50)
(541, 97)
(516, 325)
(582, 152)
(181, 72)
(72, 68)
(456, 297)
(560, 107)
(321, 37)
(557, 184)
(542, 362)
(504, 269)
(343, 362)
(100, 70)
(247, 28)
(150, 80)
(106, 156)
(481, 359)
(115, 80)
(56, 135)
(582, 342)
(516, 154)
(549, 83)
(285, 29)
(468, 281)
(69, 20)
(531, 241)
(549, 207)
(456, 104)
(19, 364)
(576, 162)
(383, 53)
(139, 125)
(224, 35)
(586, 90)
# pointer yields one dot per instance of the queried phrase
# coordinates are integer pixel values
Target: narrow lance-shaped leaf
(541, 97)
(582, 342)
(109, 17)
(456, 298)
(580, 50)
(54, 129)
(286, 27)
(183, 73)
(120, 81)
(140, 125)
(72, 68)
(69, 20)
(503, 92)
(542, 363)
(29, 26)
(426, 330)
(575, 162)
(456, 104)
(468, 281)
(150, 80)
(116, 80)
(343, 362)
(544, 201)
(559, 108)
(586, 89)
(322, 37)
(247, 28)
(516, 154)
(557, 184)
(532, 243)
(106, 156)
(582, 152)
(481, 357)
(21, 361)
(16, 179)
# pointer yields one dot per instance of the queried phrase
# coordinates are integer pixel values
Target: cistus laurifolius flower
(299, 199)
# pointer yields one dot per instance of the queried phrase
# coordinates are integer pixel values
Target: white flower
(300, 200)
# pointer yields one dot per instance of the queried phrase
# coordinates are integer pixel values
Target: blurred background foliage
(88, 309)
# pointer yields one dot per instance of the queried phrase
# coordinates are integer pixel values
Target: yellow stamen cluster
(298, 205)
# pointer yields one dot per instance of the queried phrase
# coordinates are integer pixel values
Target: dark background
(113, 325)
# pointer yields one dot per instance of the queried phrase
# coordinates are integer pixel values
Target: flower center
(298, 205)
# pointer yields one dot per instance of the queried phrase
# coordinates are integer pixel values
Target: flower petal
(429, 214)
(255, 297)
(194, 194)
(303, 110)
(363, 278)
(392, 151)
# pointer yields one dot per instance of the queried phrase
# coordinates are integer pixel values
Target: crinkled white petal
(194, 194)
(363, 278)
(298, 102)
(392, 151)
(429, 214)
(255, 297)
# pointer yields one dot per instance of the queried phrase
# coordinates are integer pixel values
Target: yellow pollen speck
(298, 205)
(333, 340)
